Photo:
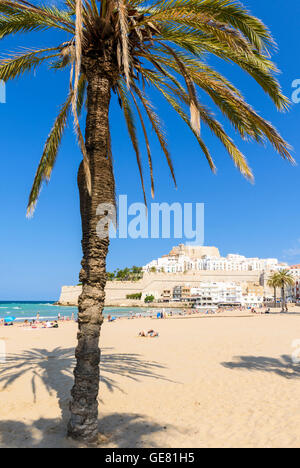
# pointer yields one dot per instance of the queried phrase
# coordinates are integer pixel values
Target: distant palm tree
(273, 283)
(125, 47)
(284, 278)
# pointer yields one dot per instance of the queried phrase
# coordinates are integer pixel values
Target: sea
(27, 310)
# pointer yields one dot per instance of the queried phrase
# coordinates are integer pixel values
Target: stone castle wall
(156, 283)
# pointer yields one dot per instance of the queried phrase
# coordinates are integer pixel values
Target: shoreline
(121, 304)
(169, 314)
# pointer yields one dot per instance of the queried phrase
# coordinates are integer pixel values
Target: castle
(190, 267)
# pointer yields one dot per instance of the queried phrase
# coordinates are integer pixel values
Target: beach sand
(204, 382)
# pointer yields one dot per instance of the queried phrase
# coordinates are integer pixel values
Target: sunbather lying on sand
(148, 334)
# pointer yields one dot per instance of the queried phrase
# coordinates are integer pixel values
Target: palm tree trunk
(83, 424)
(275, 298)
(282, 299)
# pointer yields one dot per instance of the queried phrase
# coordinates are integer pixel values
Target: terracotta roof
(295, 267)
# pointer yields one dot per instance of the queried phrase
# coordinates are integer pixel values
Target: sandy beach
(204, 382)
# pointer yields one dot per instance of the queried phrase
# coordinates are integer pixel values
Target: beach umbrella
(9, 319)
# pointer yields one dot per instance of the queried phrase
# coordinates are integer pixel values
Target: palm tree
(284, 278)
(273, 283)
(125, 47)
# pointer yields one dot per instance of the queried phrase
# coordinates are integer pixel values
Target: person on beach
(51, 324)
(58, 316)
(148, 334)
(38, 317)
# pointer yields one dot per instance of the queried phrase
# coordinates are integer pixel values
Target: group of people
(5, 324)
(59, 317)
(266, 311)
(162, 314)
(38, 324)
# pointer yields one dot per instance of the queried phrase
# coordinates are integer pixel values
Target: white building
(293, 292)
(216, 293)
(252, 300)
(170, 264)
(238, 263)
(180, 262)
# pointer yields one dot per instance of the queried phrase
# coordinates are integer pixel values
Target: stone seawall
(155, 284)
(69, 295)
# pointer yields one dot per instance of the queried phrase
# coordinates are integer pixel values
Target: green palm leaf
(49, 155)
(157, 45)
(13, 67)
(129, 118)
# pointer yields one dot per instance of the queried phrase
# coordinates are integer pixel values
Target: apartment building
(183, 259)
(209, 294)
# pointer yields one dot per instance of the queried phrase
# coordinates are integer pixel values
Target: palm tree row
(125, 48)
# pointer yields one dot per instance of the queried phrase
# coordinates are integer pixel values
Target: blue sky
(37, 256)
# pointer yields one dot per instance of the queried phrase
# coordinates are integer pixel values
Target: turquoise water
(47, 310)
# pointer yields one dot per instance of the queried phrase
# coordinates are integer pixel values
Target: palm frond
(95, 8)
(259, 67)
(225, 11)
(207, 117)
(184, 116)
(161, 44)
(21, 17)
(18, 64)
(195, 117)
(220, 33)
(129, 118)
(155, 82)
(157, 127)
(146, 141)
(123, 20)
(238, 17)
(49, 155)
(239, 113)
(81, 94)
(77, 66)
